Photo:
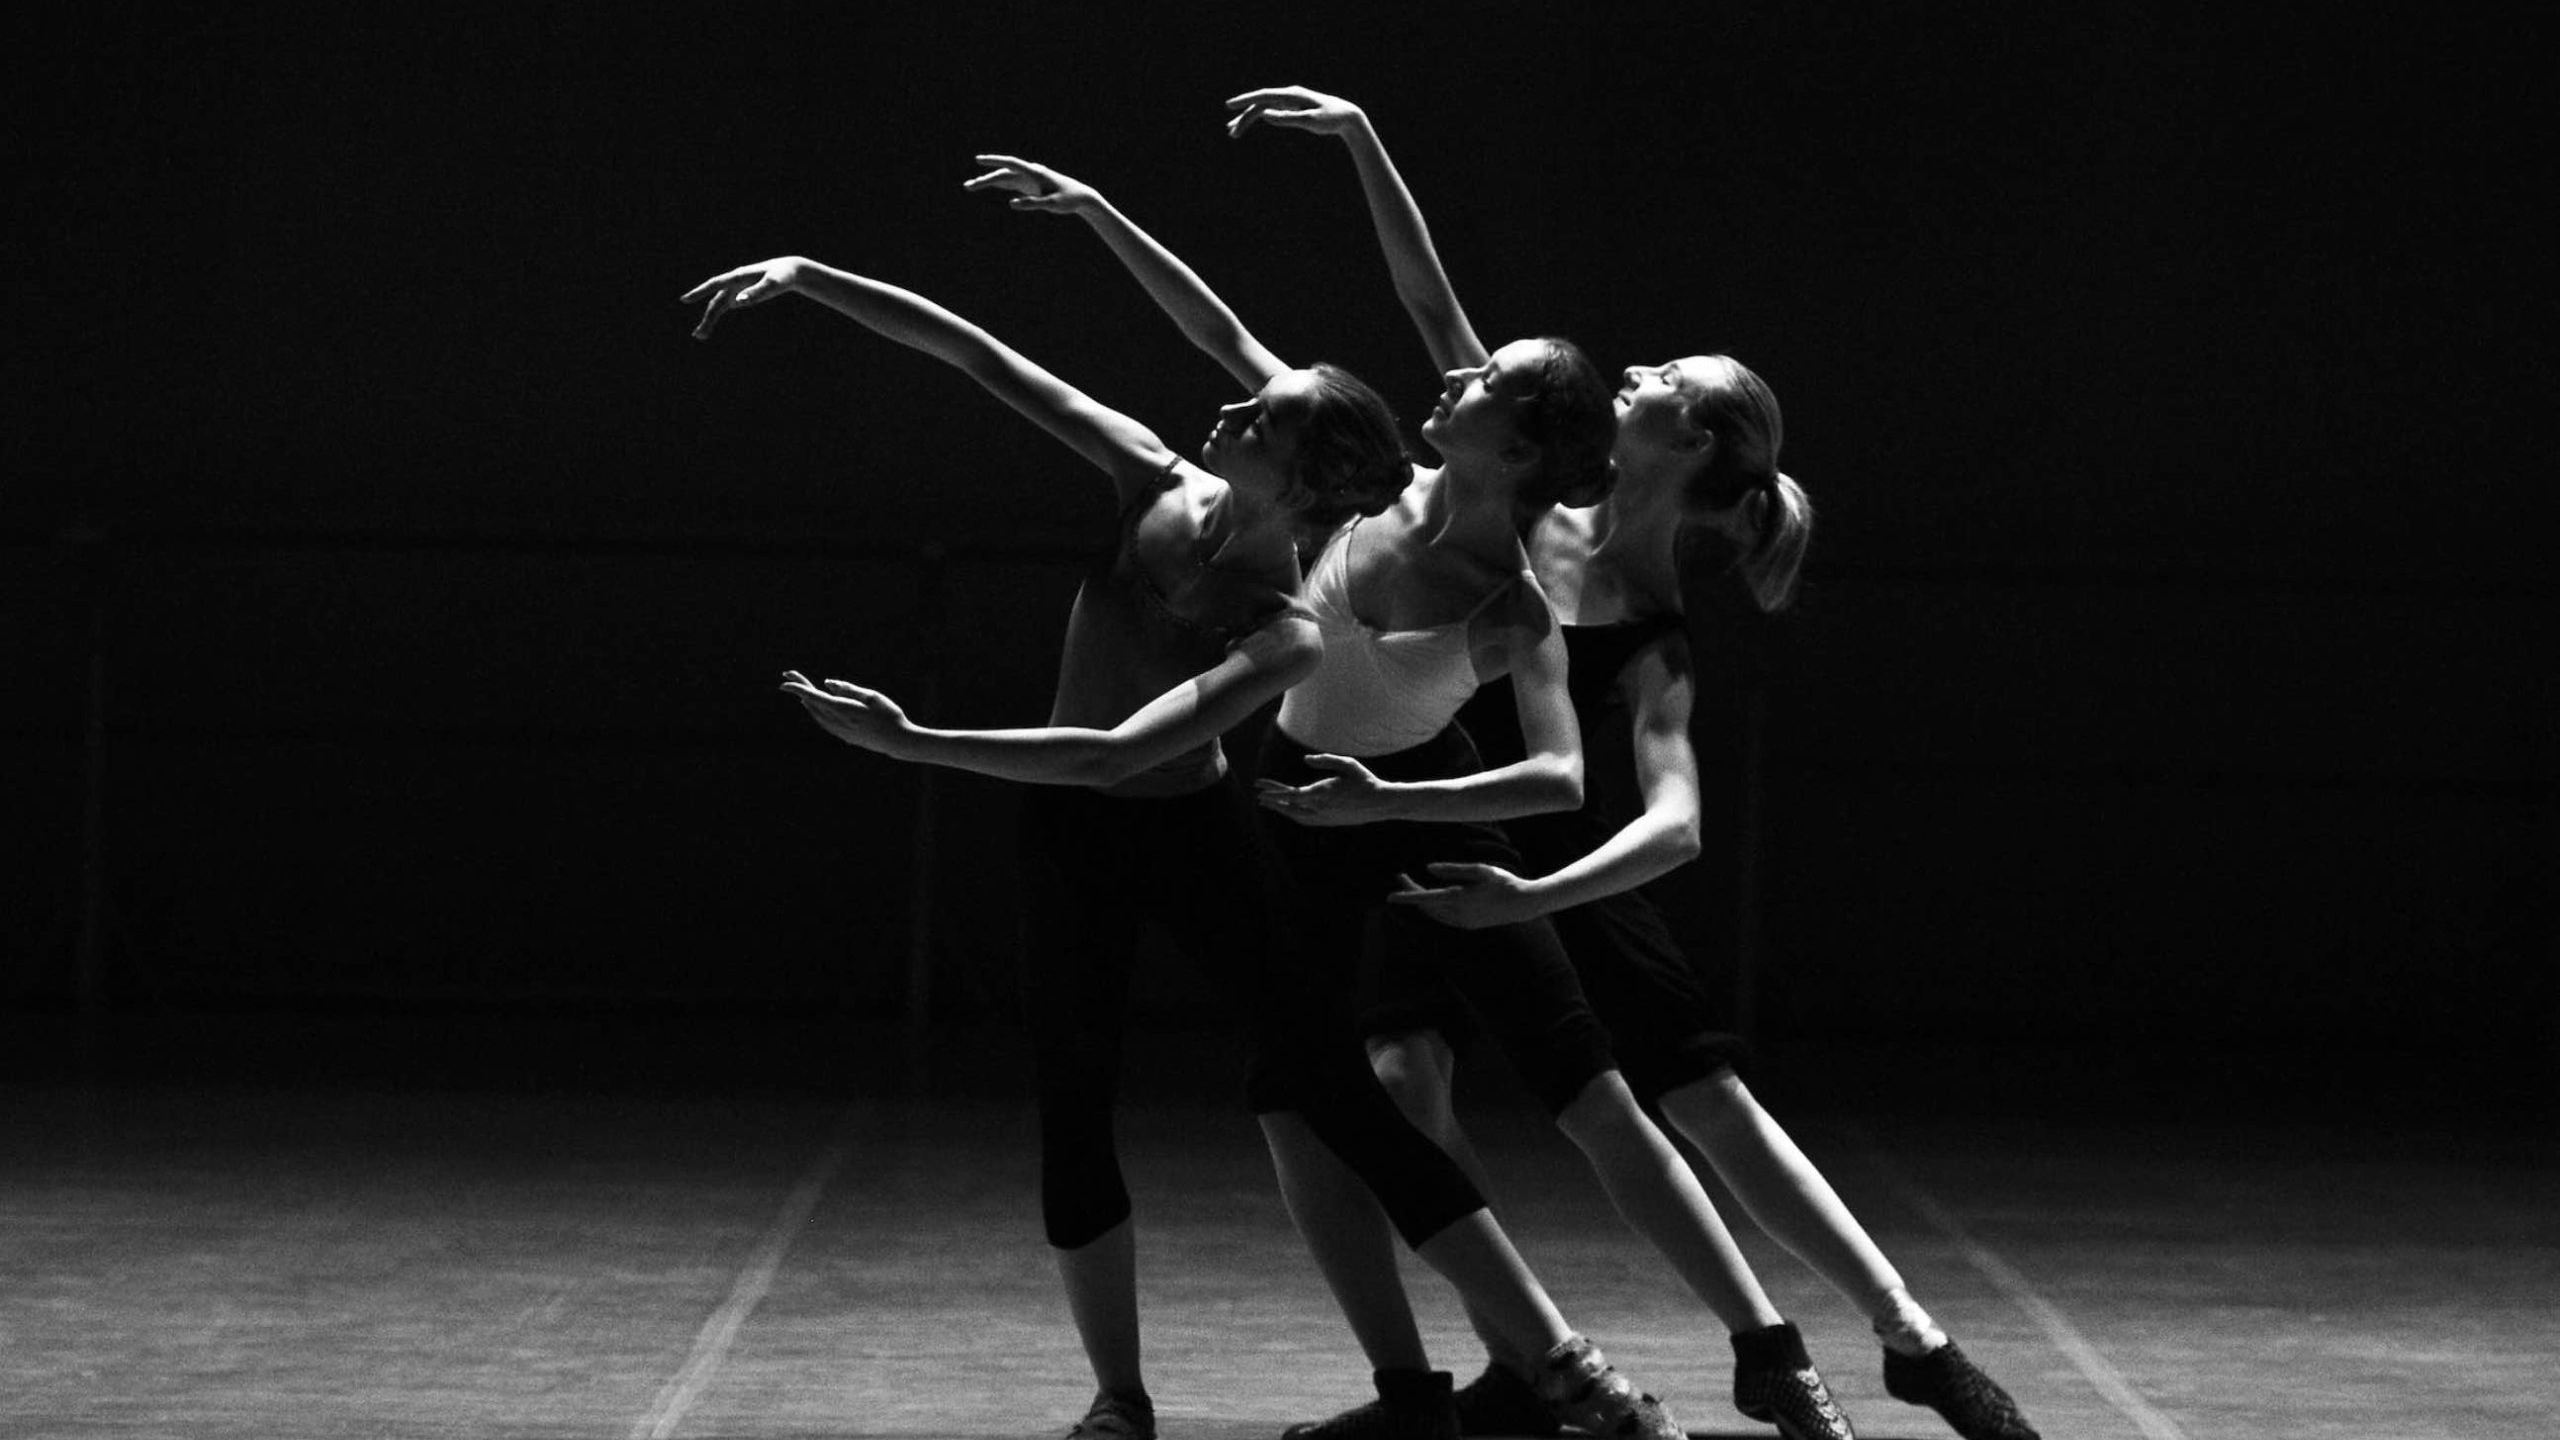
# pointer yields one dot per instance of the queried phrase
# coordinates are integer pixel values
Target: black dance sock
(1411, 1405)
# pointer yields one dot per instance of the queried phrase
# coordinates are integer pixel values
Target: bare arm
(1654, 843)
(1121, 447)
(1547, 778)
(1421, 283)
(1188, 716)
(1177, 289)
(1665, 836)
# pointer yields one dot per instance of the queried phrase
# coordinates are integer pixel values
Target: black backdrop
(2175, 657)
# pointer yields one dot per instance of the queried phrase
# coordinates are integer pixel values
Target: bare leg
(1419, 1070)
(1102, 1294)
(1788, 1198)
(1655, 1192)
(1354, 1248)
(1504, 1301)
(1353, 1245)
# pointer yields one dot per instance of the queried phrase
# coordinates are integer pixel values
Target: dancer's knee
(1080, 1204)
(1713, 1104)
(1082, 1192)
(1603, 1115)
(1415, 1070)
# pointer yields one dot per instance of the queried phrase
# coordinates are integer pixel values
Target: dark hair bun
(1572, 418)
(1351, 458)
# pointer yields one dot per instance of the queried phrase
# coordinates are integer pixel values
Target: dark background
(2173, 675)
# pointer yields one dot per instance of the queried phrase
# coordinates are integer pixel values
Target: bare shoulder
(1516, 612)
(1172, 510)
(1660, 682)
(1288, 635)
(1190, 493)
(1666, 655)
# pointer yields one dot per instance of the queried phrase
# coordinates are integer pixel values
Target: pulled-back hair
(1571, 416)
(1351, 458)
(1742, 477)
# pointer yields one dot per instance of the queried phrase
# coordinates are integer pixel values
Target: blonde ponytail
(1782, 525)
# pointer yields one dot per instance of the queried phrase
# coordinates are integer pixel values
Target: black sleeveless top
(1596, 656)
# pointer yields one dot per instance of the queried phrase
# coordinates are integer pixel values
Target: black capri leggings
(1094, 867)
(1516, 977)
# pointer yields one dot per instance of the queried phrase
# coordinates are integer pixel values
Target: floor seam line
(720, 1330)
(2102, 1375)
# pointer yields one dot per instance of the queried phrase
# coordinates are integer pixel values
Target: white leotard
(1377, 691)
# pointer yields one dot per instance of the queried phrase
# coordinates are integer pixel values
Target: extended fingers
(1293, 106)
(1011, 162)
(1003, 180)
(1346, 772)
(1281, 800)
(1246, 119)
(1296, 94)
(720, 302)
(1012, 172)
(727, 295)
(714, 283)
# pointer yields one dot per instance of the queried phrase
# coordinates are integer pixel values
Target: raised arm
(1184, 718)
(1124, 449)
(1421, 283)
(1654, 843)
(1176, 287)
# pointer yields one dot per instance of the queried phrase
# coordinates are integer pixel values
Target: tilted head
(1718, 427)
(1536, 413)
(1320, 442)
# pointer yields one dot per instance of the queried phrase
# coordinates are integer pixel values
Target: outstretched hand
(1294, 106)
(1349, 796)
(1036, 187)
(744, 286)
(1470, 896)
(849, 712)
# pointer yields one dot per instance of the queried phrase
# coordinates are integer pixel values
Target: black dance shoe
(1774, 1382)
(1499, 1402)
(1584, 1390)
(1945, 1381)
(1411, 1405)
(1115, 1418)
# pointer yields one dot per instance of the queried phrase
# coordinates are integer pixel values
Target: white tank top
(1377, 691)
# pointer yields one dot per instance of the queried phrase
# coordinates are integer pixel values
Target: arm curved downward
(1421, 282)
(1189, 715)
(1657, 841)
(1124, 449)
(1518, 635)
(1177, 289)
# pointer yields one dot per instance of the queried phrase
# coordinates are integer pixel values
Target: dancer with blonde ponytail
(1696, 453)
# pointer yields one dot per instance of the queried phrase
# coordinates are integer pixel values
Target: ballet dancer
(1696, 454)
(1182, 627)
(1416, 602)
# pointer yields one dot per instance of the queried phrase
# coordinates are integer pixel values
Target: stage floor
(223, 1255)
